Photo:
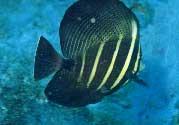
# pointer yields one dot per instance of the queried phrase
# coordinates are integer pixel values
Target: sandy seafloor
(22, 101)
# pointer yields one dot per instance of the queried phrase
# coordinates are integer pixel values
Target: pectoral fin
(140, 81)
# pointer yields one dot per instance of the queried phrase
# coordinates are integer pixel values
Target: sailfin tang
(47, 60)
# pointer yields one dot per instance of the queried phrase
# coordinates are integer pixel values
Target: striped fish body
(89, 22)
(102, 38)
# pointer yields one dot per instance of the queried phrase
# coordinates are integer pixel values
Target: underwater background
(22, 101)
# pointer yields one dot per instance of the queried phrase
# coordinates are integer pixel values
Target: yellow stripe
(137, 61)
(125, 82)
(111, 64)
(93, 72)
(129, 56)
(82, 67)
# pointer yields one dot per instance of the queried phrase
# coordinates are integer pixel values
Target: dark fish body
(101, 50)
(89, 22)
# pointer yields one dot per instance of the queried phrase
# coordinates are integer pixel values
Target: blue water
(22, 101)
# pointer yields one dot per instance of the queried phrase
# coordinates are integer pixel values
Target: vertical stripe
(93, 72)
(137, 60)
(125, 82)
(129, 56)
(82, 67)
(111, 64)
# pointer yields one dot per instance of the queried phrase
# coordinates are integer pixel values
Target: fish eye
(92, 20)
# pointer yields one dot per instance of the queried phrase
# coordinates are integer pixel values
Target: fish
(100, 53)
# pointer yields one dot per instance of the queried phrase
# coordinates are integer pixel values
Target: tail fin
(47, 60)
